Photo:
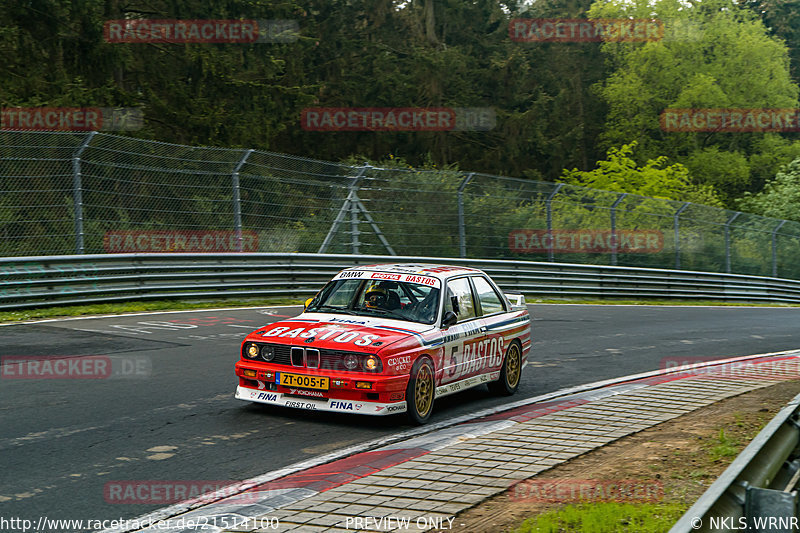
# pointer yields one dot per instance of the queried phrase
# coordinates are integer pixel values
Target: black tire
(421, 391)
(510, 374)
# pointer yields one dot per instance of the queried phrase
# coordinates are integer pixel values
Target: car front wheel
(420, 391)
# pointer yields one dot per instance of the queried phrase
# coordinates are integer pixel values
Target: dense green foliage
(558, 105)
(780, 198)
(655, 179)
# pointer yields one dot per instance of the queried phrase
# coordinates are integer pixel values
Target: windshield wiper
(386, 312)
(334, 309)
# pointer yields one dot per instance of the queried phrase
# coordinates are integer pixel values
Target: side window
(490, 301)
(458, 299)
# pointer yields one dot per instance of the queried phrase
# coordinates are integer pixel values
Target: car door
(492, 311)
(461, 339)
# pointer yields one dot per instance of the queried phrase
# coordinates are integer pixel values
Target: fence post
(77, 194)
(348, 205)
(462, 232)
(728, 241)
(549, 211)
(352, 196)
(614, 227)
(775, 249)
(354, 232)
(237, 200)
(676, 226)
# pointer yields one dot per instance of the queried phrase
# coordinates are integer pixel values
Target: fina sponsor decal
(266, 396)
(342, 406)
(333, 333)
(348, 321)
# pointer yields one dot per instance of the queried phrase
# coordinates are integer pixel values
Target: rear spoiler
(516, 300)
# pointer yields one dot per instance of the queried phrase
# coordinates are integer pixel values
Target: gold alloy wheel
(423, 389)
(513, 366)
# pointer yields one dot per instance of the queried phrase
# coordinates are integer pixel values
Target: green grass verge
(607, 517)
(178, 305)
(611, 301)
(138, 307)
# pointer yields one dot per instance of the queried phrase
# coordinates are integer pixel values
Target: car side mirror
(449, 319)
(308, 302)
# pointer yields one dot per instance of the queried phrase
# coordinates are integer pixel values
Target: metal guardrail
(28, 282)
(96, 193)
(758, 490)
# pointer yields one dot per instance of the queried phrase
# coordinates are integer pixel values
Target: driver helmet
(376, 296)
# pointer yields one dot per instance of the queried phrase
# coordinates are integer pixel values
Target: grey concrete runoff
(424, 482)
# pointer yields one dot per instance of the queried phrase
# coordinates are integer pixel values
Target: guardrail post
(614, 227)
(676, 225)
(728, 241)
(767, 465)
(462, 232)
(549, 211)
(775, 249)
(77, 194)
(237, 200)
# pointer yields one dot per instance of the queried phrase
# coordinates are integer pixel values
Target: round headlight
(251, 350)
(268, 352)
(350, 361)
(371, 363)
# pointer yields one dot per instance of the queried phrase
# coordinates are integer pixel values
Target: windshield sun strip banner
(390, 276)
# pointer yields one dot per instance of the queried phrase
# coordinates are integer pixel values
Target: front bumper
(319, 404)
(386, 395)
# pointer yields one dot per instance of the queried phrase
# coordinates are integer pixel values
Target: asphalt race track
(162, 405)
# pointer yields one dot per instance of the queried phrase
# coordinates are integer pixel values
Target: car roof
(441, 272)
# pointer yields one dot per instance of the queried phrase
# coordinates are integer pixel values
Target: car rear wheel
(511, 372)
(420, 391)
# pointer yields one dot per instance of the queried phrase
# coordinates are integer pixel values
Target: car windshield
(412, 302)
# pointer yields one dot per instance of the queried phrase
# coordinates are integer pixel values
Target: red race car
(386, 339)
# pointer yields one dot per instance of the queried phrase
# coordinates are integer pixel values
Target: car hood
(340, 332)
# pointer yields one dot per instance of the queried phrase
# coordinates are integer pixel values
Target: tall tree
(728, 61)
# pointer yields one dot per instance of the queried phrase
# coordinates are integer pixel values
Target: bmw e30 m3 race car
(386, 339)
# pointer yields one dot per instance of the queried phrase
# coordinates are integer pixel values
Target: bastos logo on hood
(333, 332)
